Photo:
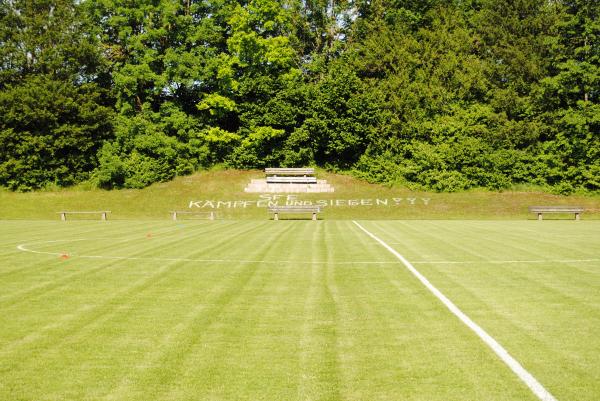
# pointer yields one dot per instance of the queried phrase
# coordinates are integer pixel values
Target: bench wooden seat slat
(540, 210)
(294, 209)
(63, 214)
(290, 171)
(210, 214)
(556, 209)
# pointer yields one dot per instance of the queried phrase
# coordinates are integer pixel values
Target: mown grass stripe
(128, 247)
(78, 324)
(166, 363)
(513, 245)
(232, 305)
(387, 338)
(536, 387)
(43, 290)
(545, 313)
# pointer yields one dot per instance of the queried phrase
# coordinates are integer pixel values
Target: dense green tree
(568, 99)
(53, 114)
(438, 94)
(165, 58)
(192, 77)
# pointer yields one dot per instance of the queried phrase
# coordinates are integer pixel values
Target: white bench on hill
(276, 210)
(103, 213)
(290, 175)
(539, 210)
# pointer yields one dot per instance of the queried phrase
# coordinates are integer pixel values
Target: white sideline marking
(24, 248)
(531, 382)
(471, 262)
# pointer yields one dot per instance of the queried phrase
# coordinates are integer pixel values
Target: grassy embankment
(156, 201)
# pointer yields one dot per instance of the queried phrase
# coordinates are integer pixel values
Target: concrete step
(261, 186)
(259, 181)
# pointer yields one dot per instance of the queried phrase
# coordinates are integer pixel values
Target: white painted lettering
(267, 200)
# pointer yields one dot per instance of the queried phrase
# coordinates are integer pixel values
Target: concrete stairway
(261, 186)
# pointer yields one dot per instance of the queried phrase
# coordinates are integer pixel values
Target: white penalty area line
(527, 378)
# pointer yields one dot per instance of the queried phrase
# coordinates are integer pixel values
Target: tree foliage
(54, 114)
(438, 94)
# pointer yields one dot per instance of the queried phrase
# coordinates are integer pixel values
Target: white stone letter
(194, 204)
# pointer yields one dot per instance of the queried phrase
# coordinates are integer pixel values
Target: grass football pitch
(296, 310)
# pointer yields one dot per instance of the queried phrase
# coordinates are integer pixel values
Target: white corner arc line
(531, 382)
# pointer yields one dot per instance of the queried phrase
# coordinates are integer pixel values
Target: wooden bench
(290, 175)
(103, 213)
(290, 171)
(209, 215)
(556, 209)
(294, 210)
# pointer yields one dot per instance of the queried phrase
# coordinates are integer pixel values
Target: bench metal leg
(539, 216)
(314, 216)
(104, 216)
(576, 216)
(63, 216)
(174, 216)
(212, 216)
(276, 216)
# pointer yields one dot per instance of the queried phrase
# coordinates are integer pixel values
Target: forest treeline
(438, 94)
